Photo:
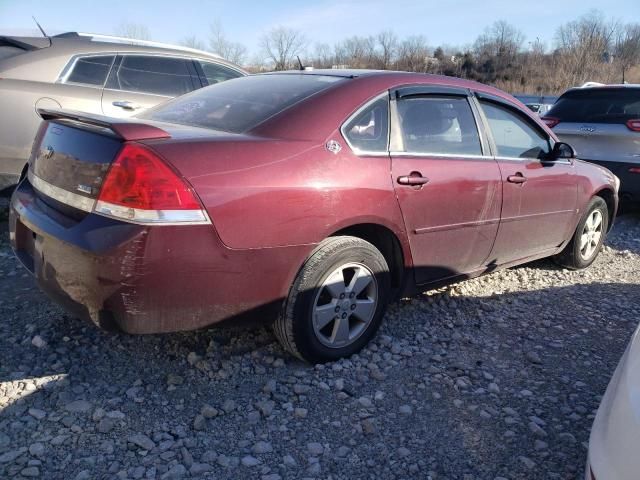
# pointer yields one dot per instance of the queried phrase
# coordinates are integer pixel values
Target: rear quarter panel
(19, 124)
(269, 193)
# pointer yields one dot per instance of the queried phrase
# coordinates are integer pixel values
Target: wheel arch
(387, 242)
(609, 198)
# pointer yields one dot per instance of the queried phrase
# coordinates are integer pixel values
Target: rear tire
(588, 238)
(337, 301)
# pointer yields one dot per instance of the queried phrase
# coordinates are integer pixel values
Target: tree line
(589, 48)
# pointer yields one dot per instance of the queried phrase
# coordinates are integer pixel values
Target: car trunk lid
(72, 154)
(606, 142)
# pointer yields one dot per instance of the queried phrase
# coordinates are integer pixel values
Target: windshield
(598, 105)
(240, 104)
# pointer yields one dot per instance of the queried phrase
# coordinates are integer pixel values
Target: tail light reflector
(634, 170)
(550, 121)
(634, 124)
(140, 187)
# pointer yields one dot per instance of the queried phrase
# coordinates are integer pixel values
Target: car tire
(587, 240)
(336, 302)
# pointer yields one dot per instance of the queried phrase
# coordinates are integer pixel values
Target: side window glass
(91, 70)
(438, 125)
(513, 135)
(215, 73)
(369, 130)
(153, 74)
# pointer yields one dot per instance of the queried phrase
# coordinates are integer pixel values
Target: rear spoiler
(128, 130)
(26, 43)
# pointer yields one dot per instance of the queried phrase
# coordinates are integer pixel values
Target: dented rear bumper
(145, 279)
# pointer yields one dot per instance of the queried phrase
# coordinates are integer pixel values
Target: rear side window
(241, 104)
(369, 130)
(438, 125)
(215, 73)
(91, 70)
(156, 75)
(514, 136)
(598, 105)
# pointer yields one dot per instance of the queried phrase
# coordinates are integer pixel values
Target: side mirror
(561, 151)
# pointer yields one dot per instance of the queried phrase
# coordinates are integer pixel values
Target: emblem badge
(333, 146)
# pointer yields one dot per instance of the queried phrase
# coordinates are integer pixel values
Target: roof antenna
(300, 62)
(39, 27)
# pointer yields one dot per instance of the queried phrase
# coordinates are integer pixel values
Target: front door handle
(126, 105)
(517, 178)
(415, 179)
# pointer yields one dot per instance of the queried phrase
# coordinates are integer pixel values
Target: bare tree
(219, 43)
(387, 43)
(193, 42)
(281, 45)
(356, 52)
(501, 43)
(586, 45)
(412, 54)
(136, 31)
(323, 56)
(627, 48)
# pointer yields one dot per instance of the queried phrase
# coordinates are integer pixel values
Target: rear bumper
(145, 279)
(629, 181)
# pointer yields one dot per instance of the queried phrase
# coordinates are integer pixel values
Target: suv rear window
(240, 104)
(598, 105)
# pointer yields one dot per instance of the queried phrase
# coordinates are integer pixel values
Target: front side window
(157, 75)
(438, 125)
(514, 136)
(369, 130)
(91, 70)
(215, 73)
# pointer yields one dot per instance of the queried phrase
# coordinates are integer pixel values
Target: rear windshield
(598, 105)
(240, 104)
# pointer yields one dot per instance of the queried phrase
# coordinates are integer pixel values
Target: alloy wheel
(345, 305)
(591, 235)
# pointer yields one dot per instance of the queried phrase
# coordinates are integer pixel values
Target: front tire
(588, 238)
(337, 301)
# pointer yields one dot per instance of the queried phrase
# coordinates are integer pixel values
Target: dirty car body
(266, 169)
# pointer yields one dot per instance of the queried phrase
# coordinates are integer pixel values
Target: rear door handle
(517, 178)
(125, 104)
(415, 179)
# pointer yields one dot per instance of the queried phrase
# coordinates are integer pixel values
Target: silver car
(602, 123)
(99, 74)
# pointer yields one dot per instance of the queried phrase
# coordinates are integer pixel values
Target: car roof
(92, 40)
(42, 62)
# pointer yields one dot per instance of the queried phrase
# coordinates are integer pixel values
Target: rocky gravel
(493, 378)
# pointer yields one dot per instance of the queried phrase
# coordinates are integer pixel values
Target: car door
(447, 184)
(539, 195)
(138, 82)
(80, 84)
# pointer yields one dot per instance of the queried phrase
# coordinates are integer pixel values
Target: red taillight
(634, 170)
(141, 187)
(634, 124)
(550, 121)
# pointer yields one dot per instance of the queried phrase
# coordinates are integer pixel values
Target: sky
(454, 22)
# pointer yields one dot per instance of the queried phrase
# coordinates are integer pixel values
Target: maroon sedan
(311, 197)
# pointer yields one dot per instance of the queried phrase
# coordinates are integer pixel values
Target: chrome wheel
(345, 305)
(591, 235)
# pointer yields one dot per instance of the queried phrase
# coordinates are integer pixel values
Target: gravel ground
(493, 378)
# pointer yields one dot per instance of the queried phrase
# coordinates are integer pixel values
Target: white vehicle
(615, 436)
